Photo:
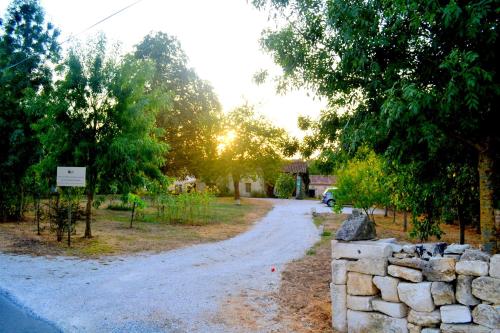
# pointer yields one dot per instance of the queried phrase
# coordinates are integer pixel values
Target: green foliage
(414, 80)
(285, 185)
(100, 116)
(186, 208)
(191, 121)
(361, 183)
(27, 48)
(256, 149)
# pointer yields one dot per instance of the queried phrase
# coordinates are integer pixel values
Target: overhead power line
(77, 34)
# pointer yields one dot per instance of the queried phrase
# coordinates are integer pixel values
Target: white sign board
(71, 176)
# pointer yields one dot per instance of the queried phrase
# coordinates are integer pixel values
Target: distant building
(319, 183)
(299, 170)
(248, 186)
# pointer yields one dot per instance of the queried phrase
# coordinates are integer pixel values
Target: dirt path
(219, 287)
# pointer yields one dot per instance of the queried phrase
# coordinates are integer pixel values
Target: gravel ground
(175, 291)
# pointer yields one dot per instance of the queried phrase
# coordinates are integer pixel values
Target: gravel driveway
(176, 291)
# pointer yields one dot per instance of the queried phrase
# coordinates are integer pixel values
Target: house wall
(319, 189)
(257, 186)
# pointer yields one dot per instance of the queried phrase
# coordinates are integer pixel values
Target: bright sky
(221, 39)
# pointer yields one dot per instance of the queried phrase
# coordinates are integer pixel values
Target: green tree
(27, 47)
(285, 185)
(413, 79)
(100, 116)
(252, 146)
(192, 121)
(361, 183)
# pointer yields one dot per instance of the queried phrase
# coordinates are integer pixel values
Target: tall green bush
(285, 184)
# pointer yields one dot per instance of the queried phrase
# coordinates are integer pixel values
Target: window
(248, 187)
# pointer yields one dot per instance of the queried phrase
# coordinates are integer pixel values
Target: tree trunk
(487, 212)
(88, 213)
(405, 221)
(461, 223)
(394, 216)
(37, 215)
(132, 217)
(236, 184)
(386, 209)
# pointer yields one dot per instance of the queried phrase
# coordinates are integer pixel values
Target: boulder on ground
(356, 227)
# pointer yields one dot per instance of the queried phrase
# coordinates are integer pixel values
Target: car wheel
(330, 203)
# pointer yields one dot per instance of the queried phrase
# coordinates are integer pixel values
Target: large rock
(405, 273)
(474, 268)
(359, 284)
(388, 287)
(358, 250)
(430, 330)
(455, 314)
(463, 292)
(358, 227)
(372, 266)
(339, 307)
(486, 315)
(424, 318)
(416, 295)
(414, 328)
(487, 289)
(409, 262)
(440, 269)
(372, 322)
(395, 310)
(442, 293)
(339, 271)
(472, 254)
(456, 248)
(464, 328)
(495, 266)
(360, 303)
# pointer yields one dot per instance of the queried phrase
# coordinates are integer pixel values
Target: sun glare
(226, 140)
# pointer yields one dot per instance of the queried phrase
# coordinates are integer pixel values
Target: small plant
(137, 204)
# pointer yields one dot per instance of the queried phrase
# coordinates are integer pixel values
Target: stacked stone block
(382, 286)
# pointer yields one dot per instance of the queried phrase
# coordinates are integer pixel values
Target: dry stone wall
(383, 286)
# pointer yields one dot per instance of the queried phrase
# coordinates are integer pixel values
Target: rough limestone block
(442, 293)
(339, 271)
(424, 318)
(471, 254)
(355, 250)
(405, 273)
(414, 328)
(474, 268)
(463, 328)
(363, 322)
(486, 315)
(372, 266)
(360, 303)
(495, 266)
(339, 307)
(416, 295)
(487, 288)
(395, 310)
(440, 269)
(401, 255)
(409, 262)
(455, 314)
(430, 330)
(456, 248)
(359, 284)
(453, 256)
(356, 227)
(463, 291)
(409, 248)
(388, 287)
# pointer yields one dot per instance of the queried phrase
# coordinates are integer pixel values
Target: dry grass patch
(112, 235)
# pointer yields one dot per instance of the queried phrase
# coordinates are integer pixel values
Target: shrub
(285, 184)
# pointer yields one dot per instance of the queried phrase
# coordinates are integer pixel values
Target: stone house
(248, 186)
(319, 183)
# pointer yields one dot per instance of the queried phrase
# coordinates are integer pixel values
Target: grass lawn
(112, 235)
